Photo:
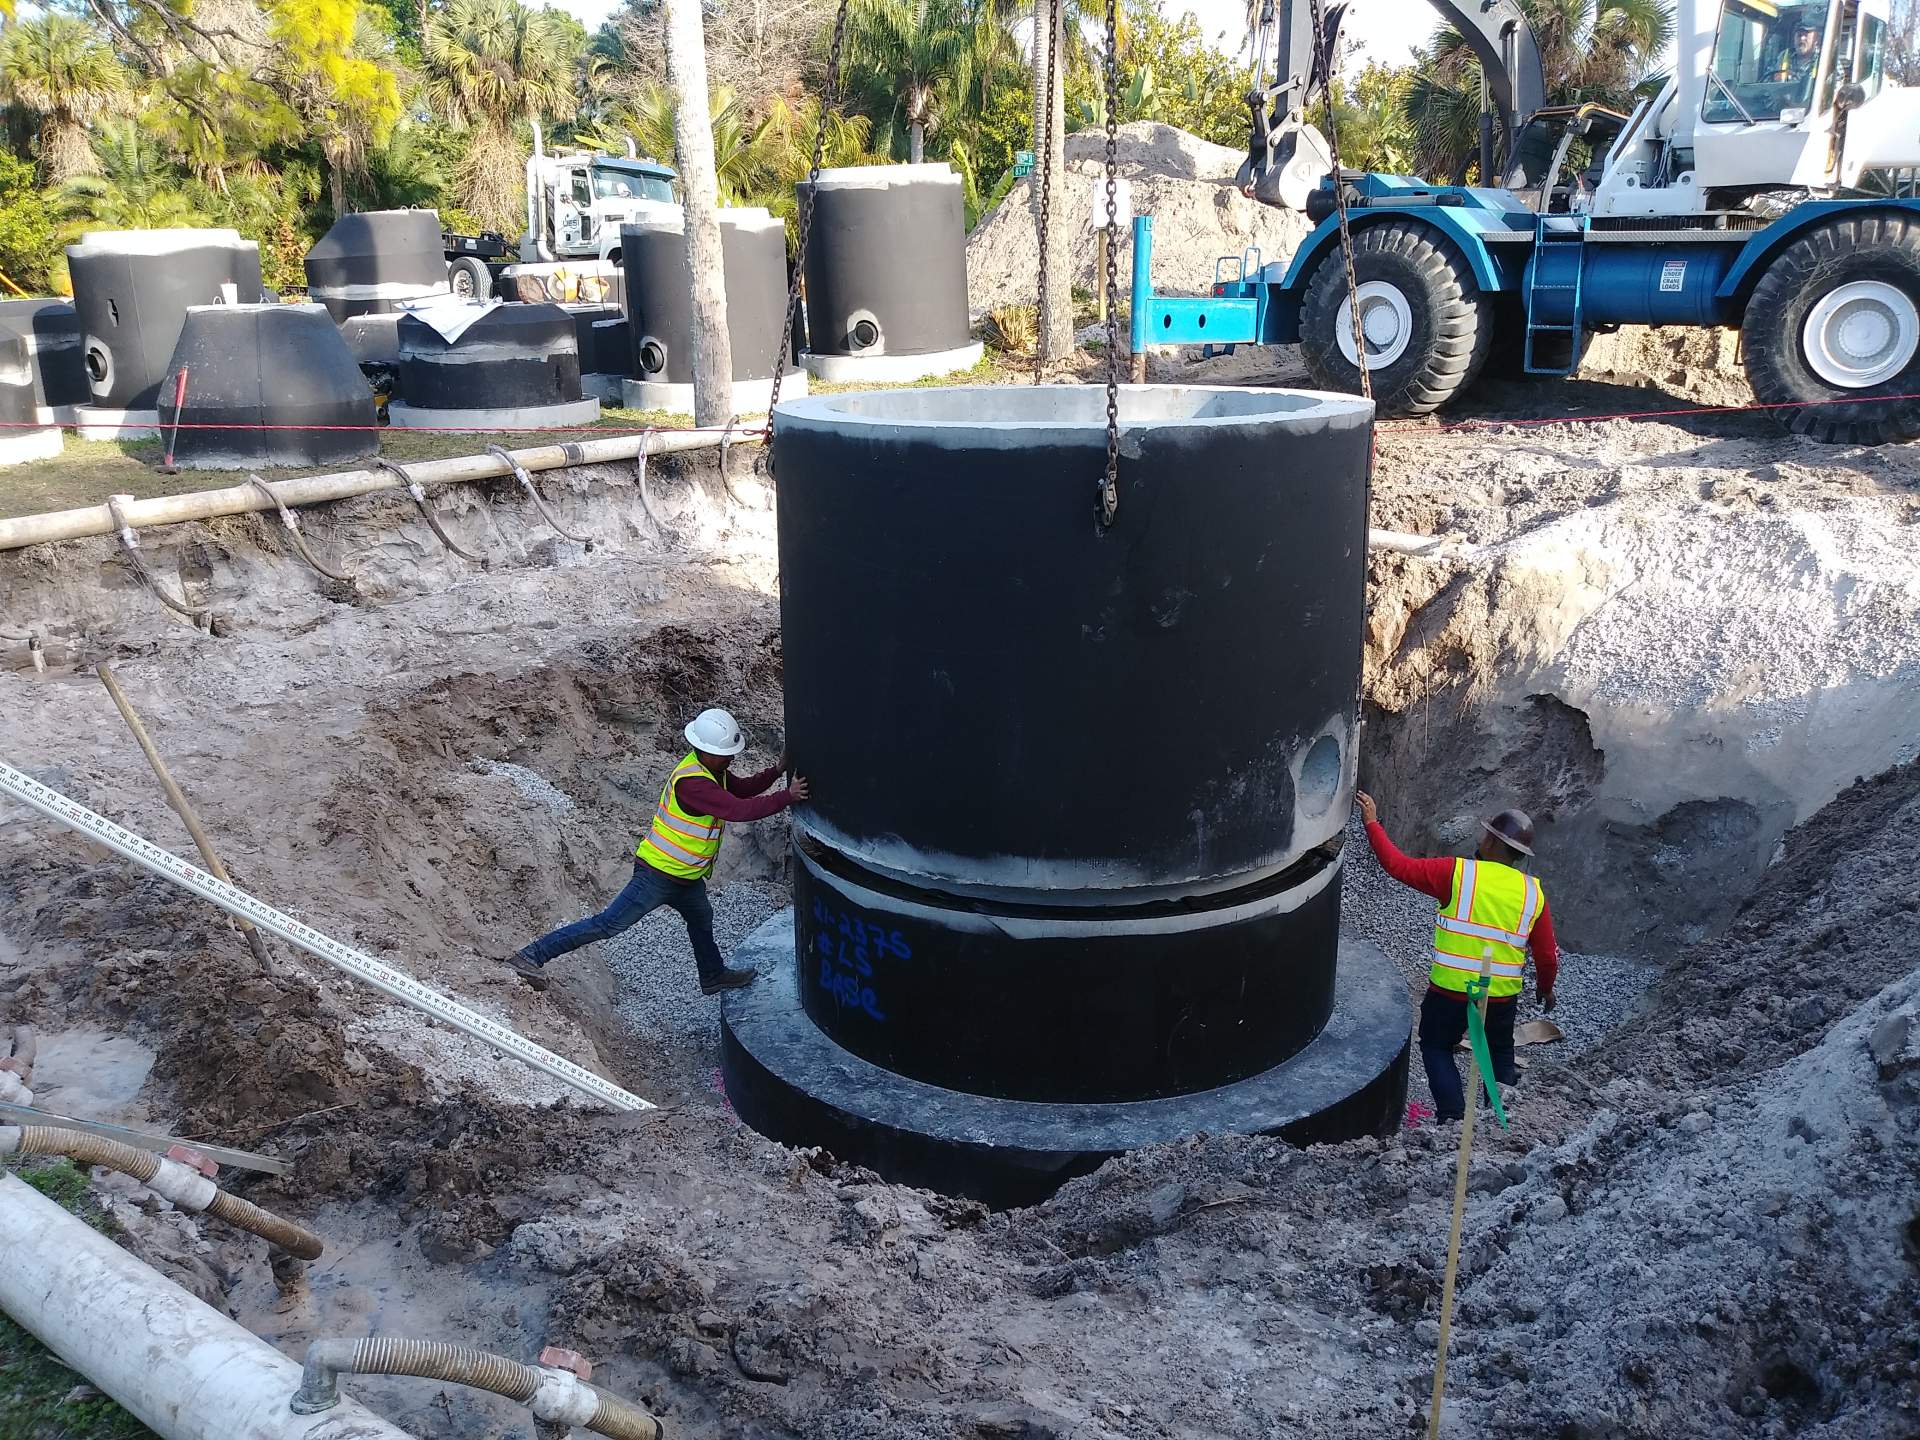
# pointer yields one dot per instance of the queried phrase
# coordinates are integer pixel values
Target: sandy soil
(1702, 1222)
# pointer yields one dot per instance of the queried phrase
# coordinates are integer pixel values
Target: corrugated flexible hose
(465, 1365)
(206, 1197)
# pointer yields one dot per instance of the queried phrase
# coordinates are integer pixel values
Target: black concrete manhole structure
(1069, 882)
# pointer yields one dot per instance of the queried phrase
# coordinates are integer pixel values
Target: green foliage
(1168, 73)
(27, 224)
(1003, 125)
(1374, 133)
(63, 71)
(135, 190)
(915, 66)
(329, 66)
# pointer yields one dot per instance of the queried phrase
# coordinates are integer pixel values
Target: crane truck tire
(1427, 326)
(1833, 327)
(469, 278)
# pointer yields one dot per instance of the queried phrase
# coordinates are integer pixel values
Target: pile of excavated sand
(1701, 364)
(1185, 183)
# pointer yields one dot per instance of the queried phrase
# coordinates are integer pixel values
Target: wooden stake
(178, 800)
(1459, 1211)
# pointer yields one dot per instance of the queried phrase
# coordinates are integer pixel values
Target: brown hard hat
(1513, 828)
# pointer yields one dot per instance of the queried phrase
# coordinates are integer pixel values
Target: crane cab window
(1765, 60)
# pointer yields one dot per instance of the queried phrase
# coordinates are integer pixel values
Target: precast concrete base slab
(526, 417)
(890, 369)
(750, 397)
(99, 423)
(607, 389)
(19, 446)
(790, 1082)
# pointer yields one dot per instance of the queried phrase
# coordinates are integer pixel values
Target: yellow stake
(1459, 1210)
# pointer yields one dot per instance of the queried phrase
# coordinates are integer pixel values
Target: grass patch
(34, 1386)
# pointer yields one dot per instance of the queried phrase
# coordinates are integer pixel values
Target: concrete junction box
(1070, 879)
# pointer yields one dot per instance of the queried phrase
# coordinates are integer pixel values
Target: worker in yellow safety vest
(673, 859)
(1492, 911)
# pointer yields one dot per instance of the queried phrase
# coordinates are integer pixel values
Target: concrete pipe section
(653, 254)
(282, 377)
(51, 329)
(132, 289)
(1070, 880)
(488, 366)
(887, 275)
(19, 407)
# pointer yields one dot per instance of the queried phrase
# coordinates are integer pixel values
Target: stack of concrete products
(1172, 946)
(887, 275)
(484, 365)
(282, 377)
(606, 350)
(23, 435)
(369, 265)
(132, 289)
(653, 255)
(51, 329)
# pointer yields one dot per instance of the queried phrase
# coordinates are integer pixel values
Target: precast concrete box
(23, 434)
(51, 330)
(132, 289)
(1070, 878)
(887, 274)
(268, 385)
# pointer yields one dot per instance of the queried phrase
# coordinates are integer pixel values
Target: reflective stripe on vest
(678, 843)
(1488, 917)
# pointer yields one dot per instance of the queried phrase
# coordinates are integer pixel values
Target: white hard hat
(715, 732)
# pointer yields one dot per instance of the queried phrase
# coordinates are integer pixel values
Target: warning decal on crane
(1673, 275)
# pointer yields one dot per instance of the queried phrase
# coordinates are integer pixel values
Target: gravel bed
(657, 986)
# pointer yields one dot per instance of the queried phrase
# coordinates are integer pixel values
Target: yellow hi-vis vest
(678, 844)
(1492, 909)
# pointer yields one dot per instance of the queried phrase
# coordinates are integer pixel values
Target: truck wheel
(1835, 320)
(469, 278)
(1426, 324)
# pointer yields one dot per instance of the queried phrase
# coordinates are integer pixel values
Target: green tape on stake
(1483, 1057)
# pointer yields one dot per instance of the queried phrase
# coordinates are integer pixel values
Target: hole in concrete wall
(1319, 777)
(653, 357)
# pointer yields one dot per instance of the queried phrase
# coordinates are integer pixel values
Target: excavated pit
(441, 761)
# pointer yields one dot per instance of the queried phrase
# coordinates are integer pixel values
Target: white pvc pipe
(318, 489)
(185, 1370)
(361, 966)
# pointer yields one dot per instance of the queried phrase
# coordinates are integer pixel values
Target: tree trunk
(1056, 316)
(916, 142)
(337, 185)
(700, 187)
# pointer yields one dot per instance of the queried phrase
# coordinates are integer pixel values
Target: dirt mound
(1185, 183)
(1701, 364)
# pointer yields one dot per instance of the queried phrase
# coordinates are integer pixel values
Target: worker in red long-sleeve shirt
(1491, 910)
(673, 859)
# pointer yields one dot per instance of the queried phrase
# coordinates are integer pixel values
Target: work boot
(728, 979)
(527, 970)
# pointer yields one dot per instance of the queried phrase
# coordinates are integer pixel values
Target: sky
(1390, 30)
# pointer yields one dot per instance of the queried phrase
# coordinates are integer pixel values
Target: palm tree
(489, 65)
(134, 189)
(64, 70)
(1601, 50)
(912, 64)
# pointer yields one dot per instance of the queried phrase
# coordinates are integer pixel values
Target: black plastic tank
(371, 263)
(887, 262)
(653, 257)
(1079, 792)
(51, 329)
(22, 435)
(282, 377)
(133, 288)
(511, 364)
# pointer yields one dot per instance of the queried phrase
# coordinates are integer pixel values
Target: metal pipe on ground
(183, 1369)
(396, 984)
(245, 498)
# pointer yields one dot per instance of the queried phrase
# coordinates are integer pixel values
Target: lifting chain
(1110, 485)
(829, 98)
(1324, 52)
(1044, 310)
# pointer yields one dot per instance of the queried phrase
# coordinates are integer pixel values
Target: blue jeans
(645, 893)
(1443, 1020)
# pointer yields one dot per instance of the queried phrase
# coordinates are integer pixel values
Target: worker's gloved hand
(797, 787)
(1369, 811)
(1546, 1002)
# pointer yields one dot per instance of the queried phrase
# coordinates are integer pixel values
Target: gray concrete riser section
(577, 412)
(784, 1075)
(890, 369)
